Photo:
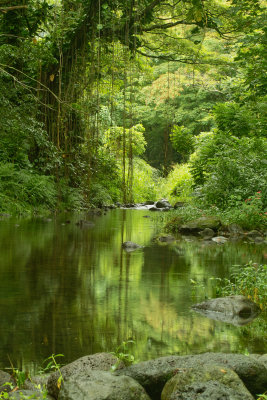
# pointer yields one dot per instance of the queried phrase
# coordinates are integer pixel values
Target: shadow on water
(72, 289)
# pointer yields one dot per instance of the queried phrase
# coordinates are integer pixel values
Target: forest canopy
(102, 99)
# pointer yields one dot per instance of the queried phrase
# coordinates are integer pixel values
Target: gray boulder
(199, 224)
(153, 374)
(232, 306)
(6, 378)
(163, 203)
(101, 385)
(29, 394)
(166, 238)
(207, 233)
(219, 239)
(211, 382)
(130, 246)
(84, 365)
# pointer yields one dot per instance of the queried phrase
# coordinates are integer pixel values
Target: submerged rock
(207, 233)
(163, 203)
(130, 246)
(219, 239)
(210, 382)
(237, 310)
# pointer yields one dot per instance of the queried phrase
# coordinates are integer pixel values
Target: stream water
(73, 290)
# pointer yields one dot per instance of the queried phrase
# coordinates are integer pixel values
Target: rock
(235, 230)
(253, 234)
(101, 385)
(5, 215)
(197, 225)
(210, 383)
(36, 382)
(167, 238)
(130, 246)
(163, 203)
(219, 239)
(230, 305)
(153, 374)
(30, 394)
(155, 209)
(149, 203)
(263, 359)
(179, 204)
(207, 233)
(4, 378)
(84, 365)
(85, 224)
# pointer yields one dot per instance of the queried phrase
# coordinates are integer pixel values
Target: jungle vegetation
(107, 101)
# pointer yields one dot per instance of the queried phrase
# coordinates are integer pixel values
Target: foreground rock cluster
(209, 376)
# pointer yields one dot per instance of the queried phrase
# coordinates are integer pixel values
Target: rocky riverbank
(210, 376)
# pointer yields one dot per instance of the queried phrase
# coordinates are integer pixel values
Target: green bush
(178, 186)
(249, 280)
(22, 190)
(224, 167)
(145, 180)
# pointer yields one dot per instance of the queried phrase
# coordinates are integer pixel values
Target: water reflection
(72, 289)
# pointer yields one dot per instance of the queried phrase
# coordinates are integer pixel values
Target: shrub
(178, 184)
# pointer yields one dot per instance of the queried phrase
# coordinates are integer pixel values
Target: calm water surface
(73, 290)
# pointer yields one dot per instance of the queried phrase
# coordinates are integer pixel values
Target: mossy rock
(199, 224)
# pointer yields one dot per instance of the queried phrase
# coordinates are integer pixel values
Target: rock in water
(130, 246)
(238, 310)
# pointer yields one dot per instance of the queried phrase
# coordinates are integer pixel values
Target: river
(73, 290)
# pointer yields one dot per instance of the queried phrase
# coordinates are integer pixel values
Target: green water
(73, 290)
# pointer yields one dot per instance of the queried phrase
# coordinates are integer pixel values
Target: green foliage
(233, 118)
(225, 166)
(249, 280)
(22, 190)
(182, 141)
(178, 185)
(145, 181)
(123, 355)
(249, 214)
(134, 140)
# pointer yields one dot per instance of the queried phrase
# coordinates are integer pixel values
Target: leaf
(51, 77)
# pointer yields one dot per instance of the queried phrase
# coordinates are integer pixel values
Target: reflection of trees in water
(75, 291)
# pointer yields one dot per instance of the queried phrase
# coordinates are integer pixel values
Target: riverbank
(203, 376)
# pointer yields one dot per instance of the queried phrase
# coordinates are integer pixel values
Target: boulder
(197, 225)
(86, 364)
(166, 238)
(208, 383)
(235, 230)
(153, 374)
(230, 305)
(163, 203)
(155, 209)
(30, 394)
(207, 233)
(219, 239)
(36, 382)
(179, 204)
(149, 203)
(253, 234)
(6, 378)
(130, 246)
(101, 385)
